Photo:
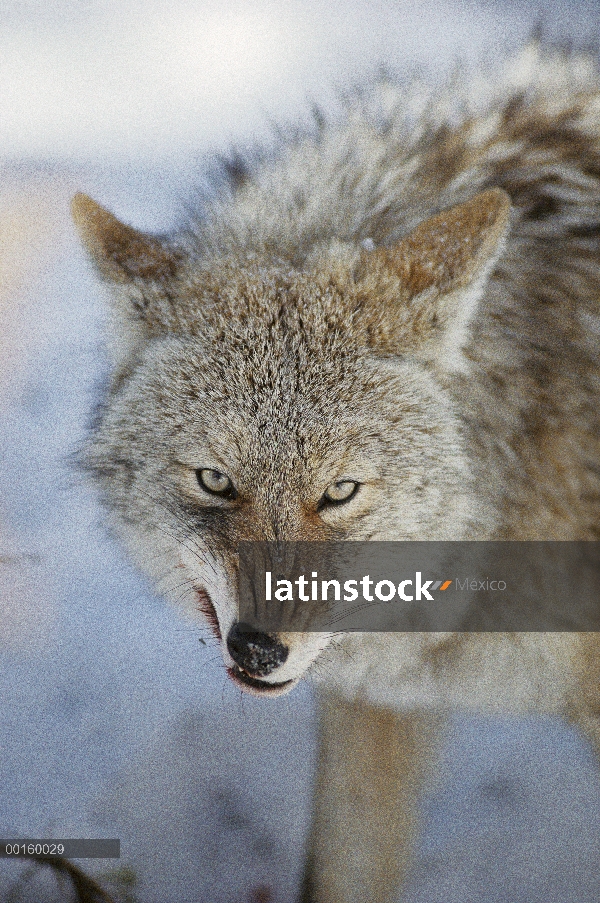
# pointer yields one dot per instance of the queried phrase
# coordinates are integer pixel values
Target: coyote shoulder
(386, 328)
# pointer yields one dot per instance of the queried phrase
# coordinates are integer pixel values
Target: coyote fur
(385, 328)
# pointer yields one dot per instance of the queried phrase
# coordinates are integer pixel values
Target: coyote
(387, 327)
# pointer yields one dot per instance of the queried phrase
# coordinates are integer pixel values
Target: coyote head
(253, 399)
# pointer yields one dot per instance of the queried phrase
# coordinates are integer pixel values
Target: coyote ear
(136, 266)
(121, 253)
(433, 279)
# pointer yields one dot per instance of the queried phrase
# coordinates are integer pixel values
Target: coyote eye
(216, 483)
(338, 493)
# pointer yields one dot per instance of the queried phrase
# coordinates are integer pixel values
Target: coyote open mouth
(258, 687)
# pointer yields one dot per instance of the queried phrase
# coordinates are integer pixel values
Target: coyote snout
(256, 655)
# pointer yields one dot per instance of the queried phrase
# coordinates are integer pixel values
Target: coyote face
(256, 402)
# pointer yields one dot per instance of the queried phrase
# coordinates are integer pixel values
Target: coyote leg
(372, 765)
(584, 711)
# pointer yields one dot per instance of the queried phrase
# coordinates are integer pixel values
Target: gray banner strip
(420, 586)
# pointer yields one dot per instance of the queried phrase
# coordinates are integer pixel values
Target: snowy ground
(116, 720)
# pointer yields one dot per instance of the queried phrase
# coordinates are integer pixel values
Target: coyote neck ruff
(387, 328)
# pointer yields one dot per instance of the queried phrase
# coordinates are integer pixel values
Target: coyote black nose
(255, 652)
